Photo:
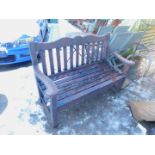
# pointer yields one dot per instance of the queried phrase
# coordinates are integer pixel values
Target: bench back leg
(119, 84)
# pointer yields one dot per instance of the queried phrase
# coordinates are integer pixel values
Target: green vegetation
(139, 25)
(127, 52)
(143, 25)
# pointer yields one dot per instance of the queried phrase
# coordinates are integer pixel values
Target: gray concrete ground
(105, 113)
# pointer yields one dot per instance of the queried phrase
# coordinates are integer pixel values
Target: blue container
(20, 53)
(55, 21)
(15, 55)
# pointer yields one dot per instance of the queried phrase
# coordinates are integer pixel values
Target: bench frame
(51, 88)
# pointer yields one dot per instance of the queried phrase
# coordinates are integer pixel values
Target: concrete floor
(105, 113)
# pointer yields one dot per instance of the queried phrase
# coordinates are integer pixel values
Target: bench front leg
(53, 111)
(50, 94)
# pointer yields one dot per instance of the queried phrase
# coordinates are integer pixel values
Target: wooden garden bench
(71, 69)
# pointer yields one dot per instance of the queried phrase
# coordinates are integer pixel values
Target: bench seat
(83, 81)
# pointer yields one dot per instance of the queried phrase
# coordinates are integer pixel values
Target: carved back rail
(68, 53)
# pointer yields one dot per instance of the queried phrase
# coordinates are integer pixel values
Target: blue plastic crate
(53, 21)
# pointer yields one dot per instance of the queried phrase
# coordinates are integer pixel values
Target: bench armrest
(127, 63)
(123, 60)
(51, 88)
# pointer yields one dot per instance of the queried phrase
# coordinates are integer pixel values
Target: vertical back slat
(58, 59)
(43, 60)
(71, 56)
(82, 55)
(77, 55)
(92, 60)
(65, 57)
(51, 61)
(106, 49)
(97, 51)
(88, 53)
(102, 51)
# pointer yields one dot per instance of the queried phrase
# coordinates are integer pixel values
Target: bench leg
(53, 112)
(118, 85)
(40, 95)
(39, 92)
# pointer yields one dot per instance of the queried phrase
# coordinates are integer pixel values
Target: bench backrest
(69, 53)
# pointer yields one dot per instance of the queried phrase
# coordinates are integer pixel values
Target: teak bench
(70, 69)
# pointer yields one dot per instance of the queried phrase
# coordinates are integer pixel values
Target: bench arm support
(51, 88)
(127, 63)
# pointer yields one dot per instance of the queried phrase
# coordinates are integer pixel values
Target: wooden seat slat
(86, 68)
(79, 95)
(85, 85)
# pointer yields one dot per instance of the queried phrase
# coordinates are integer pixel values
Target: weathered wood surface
(72, 52)
(82, 79)
(79, 67)
(51, 62)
